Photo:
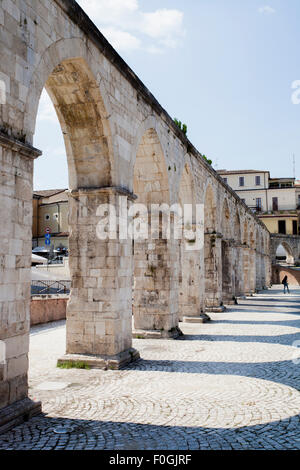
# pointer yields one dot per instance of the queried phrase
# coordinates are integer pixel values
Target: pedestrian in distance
(285, 284)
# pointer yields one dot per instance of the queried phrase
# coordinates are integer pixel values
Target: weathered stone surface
(119, 141)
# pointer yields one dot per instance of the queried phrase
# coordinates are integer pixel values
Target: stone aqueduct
(119, 141)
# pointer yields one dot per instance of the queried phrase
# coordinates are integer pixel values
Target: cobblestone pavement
(229, 384)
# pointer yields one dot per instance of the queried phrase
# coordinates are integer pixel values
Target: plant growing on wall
(182, 127)
(207, 159)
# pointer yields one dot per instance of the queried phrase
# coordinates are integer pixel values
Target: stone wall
(119, 142)
(279, 272)
(48, 308)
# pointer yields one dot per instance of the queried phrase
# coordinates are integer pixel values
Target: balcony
(256, 209)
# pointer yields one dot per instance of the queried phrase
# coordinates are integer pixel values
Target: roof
(48, 192)
(235, 172)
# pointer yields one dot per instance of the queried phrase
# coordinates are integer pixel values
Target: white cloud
(164, 25)
(129, 28)
(46, 110)
(109, 11)
(121, 40)
(267, 10)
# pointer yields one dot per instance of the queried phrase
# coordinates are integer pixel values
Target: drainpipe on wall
(267, 202)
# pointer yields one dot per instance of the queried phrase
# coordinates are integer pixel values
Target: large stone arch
(210, 209)
(68, 71)
(106, 113)
(290, 259)
(238, 255)
(191, 275)
(227, 255)
(259, 260)
(150, 124)
(212, 251)
(155, 305)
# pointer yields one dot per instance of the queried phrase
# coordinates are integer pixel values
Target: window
(242, 181)
(225, 180)
(258, 204)
(295, 227)
(257, 180)
(282, 227)
(275, 203)
(47, 217)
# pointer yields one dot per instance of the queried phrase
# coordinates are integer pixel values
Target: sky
(229, 69)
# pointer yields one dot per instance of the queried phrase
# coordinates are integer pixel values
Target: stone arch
(227, 255)
(148, 125)
(210, 210)
(226, 221)
(290, 258)
(70, 73)
(187, 185)
(237, 227)
(155, 305)
(67, 69)
(237, 262)
(245, 234)
(150, 178)
(212, 252)
(191, 289)
(259, 260)
(246, 256)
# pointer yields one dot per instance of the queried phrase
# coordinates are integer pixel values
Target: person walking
(285, 284)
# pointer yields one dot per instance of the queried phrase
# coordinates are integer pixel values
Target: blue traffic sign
(47, 236)
(47, 242)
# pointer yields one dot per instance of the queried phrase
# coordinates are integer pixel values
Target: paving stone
(230, 383)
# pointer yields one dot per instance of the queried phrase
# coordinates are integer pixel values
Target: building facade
(276, 201)
(50, 214)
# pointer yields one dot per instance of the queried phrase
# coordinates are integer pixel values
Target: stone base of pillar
(230, 300)
(99, 362)
(203, 318)
(216, 309)
(157, 334)
(18, 413)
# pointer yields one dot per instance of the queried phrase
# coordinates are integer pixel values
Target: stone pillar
(99, 312)
(192, 286)
(263, 272)
(258, 271)
(246, 270)
(239, 280)
(213, 272)
(16, 163)
(268, 267)
(156, 299)
(252, 270)
(228, 276)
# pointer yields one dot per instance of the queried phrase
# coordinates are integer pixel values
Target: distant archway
(284, 253)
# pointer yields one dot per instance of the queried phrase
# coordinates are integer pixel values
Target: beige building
(50, 213)
(276, 201)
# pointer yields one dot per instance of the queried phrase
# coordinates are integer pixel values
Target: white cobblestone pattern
(229, 384)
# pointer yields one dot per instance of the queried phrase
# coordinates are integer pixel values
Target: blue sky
(224, 67)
